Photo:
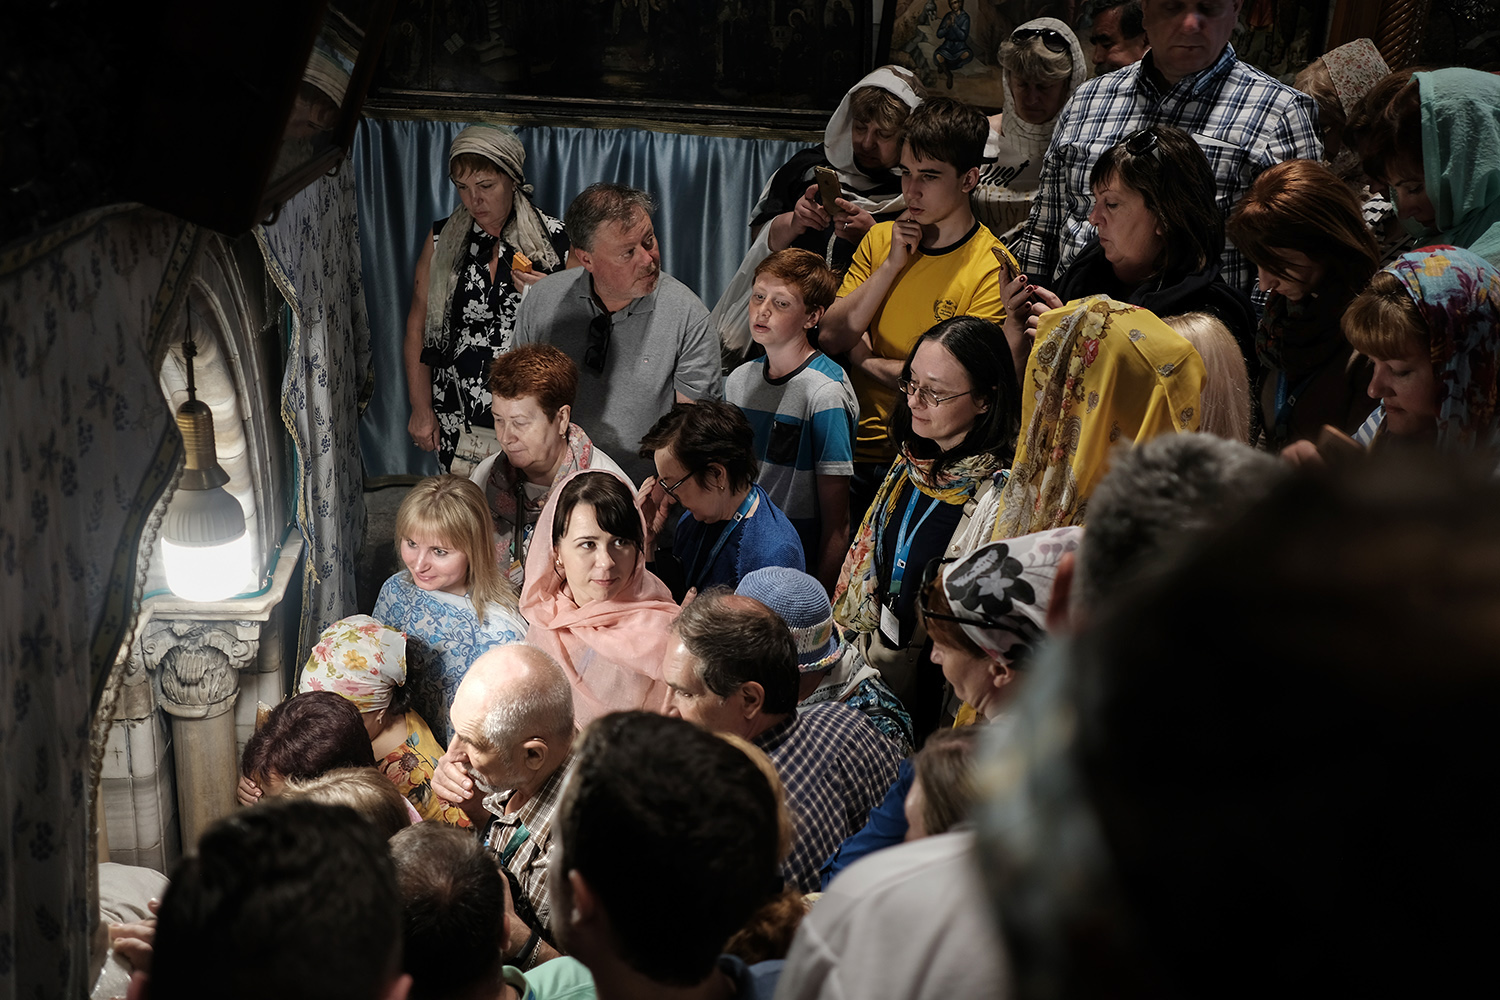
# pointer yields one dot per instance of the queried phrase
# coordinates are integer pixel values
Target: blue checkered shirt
(1242, 119)
(836, 767)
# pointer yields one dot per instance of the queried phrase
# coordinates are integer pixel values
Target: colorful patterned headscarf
(359, 659)
(1355, 68)
(1458, 294)
(1102, 372)
(1002, 590)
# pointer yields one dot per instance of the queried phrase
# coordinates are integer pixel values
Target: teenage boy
(800, 405)
(933, 262)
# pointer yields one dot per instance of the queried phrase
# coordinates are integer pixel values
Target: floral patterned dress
(410, 767)
(485, 314)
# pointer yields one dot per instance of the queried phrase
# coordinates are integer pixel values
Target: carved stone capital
(197, 663)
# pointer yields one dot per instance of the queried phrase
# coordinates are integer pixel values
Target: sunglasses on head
(1143, 142)
(1050, 37)
(929, 577)
(597, 350)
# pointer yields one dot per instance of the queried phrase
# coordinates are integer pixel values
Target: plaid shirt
(836, 767)
(1242, 119)
(522, 840)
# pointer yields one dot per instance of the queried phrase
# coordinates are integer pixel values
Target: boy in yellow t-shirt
(933, 262)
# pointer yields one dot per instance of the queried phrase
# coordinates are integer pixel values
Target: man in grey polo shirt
(639, 336)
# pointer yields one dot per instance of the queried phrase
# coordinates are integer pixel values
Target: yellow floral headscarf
(1102, 372)
(359, 659)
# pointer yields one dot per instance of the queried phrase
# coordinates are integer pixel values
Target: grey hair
(1159, 496)
(736, 640)
(601, 204)
(539, 704)
(1032, 60)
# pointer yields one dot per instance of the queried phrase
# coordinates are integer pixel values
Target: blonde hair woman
(1225, 406)
(451, 600)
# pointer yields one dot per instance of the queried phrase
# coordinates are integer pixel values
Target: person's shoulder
(1270, 92)
(562, 978)
(674, 296)
(824, 374)
(918, 864)
(553, 288)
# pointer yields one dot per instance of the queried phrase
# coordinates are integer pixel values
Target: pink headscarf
(612, 649)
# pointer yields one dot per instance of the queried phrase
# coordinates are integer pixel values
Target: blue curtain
(703, 186)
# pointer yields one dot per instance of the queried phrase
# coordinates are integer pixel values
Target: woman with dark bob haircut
(1159, 245)
(592, 603)
(705, 461)
(303, 737)
(955, 426)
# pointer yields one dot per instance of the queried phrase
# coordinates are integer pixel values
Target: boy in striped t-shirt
(800, 405)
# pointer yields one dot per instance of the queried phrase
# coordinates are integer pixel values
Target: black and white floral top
(485, 314)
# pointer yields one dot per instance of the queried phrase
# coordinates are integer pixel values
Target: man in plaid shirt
(732, 668)
(511, 754)
(1244, 121)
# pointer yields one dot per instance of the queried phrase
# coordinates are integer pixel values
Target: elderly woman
(472, 272)
(955, 427)
(1159, 244)
(705, 461)
(591, 601)
(451, 600)
(532, 390)
(364, 662)
(1431, 322)
(986, 612)
(1041, 64)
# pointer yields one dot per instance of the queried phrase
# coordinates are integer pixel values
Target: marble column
(197, 664)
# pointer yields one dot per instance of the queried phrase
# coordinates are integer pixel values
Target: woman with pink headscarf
(590, 600)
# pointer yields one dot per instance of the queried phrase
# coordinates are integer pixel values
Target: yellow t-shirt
(936, 284)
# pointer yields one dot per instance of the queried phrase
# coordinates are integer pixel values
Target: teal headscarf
(1461, 156)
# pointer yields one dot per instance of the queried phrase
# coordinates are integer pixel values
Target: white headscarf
(524, 229)
(1002, 590)
(1024, 141)
(838, 137)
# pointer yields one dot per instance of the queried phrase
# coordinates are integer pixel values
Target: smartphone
(829, 189)
(1009, 266)
(1333, 443)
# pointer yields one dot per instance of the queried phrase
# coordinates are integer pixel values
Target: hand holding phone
(830, 190)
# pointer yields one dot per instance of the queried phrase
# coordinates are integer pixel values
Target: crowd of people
(892, 629)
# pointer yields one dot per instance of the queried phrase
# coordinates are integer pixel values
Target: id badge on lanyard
(890, 625)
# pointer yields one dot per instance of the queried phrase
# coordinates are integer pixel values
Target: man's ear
(814, 317)
(399, 988)
(534, 753)
(585, 903)
(1058, 616)
(752, 699)
(584, 258)
(140, 986)
(970, 180)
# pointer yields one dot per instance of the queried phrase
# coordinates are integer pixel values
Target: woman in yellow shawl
(1102, 372)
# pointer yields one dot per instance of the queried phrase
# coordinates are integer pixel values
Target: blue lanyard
(1284, 403)
(694, 575)
(905, 538)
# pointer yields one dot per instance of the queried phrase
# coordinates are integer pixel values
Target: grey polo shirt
(659, 345)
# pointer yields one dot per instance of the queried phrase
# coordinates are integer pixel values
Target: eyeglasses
(1051, 38)
(1143, 142)
(597, 349)
(929, 577)
(925, 395)
(671, 491)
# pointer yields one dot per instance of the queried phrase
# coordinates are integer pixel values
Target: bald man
(731, 667)
(511, 753)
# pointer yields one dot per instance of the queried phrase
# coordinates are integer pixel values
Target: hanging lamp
(204, 545)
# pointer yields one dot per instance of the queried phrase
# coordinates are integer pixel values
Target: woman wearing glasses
(472, 271)
(1159, 243)
(955, 427)
(705, 462)
(592, 603)
(986, 613)
(1041, 64)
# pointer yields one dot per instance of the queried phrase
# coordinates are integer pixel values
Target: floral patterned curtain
(312, 253)
(87, 450)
